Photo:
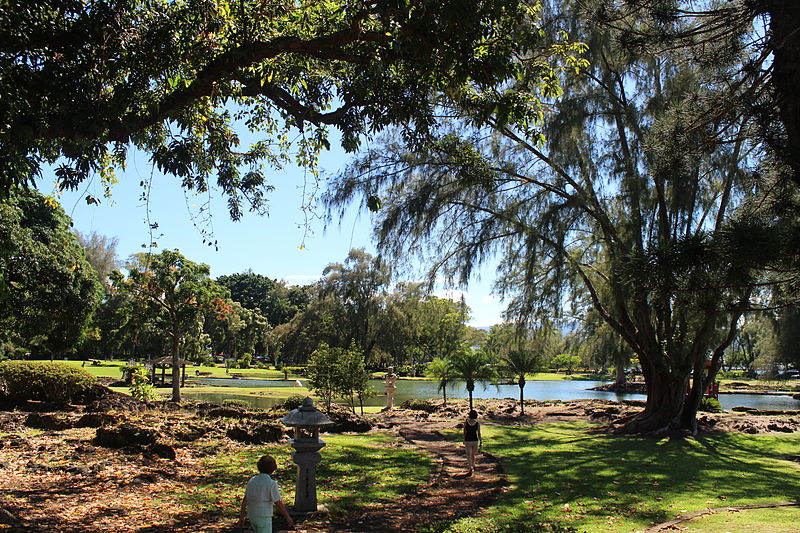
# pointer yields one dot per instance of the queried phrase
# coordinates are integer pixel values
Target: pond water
(534, 390)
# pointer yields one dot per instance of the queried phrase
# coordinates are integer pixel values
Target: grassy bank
(565, 476)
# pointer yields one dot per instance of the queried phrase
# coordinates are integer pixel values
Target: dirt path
(450, 494)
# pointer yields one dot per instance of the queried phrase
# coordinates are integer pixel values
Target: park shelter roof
(166, 361)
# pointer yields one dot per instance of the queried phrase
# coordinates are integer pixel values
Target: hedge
(43, 380)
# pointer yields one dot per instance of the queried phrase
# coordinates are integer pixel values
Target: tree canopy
(48, 290)
(83, 82)
(176, 291)
(274, 299)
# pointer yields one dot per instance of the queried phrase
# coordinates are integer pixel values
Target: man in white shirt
(260, 496)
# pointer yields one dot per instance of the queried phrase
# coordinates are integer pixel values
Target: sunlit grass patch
(564, 476)
(356, 470)
(779, 520)
(106, 369)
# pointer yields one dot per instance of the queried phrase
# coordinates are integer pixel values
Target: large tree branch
(222, 68)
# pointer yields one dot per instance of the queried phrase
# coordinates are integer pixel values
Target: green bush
(245, 360)
(43, 380)
(416, 404)
(293, 402)
(140, 387)
(709, 405)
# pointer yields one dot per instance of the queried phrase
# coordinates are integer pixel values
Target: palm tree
(519, 362)
(442, 373)
(470, 366)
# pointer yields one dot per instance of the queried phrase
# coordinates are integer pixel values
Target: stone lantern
(306, 421)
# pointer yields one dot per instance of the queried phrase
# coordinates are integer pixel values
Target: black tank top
(471, 431)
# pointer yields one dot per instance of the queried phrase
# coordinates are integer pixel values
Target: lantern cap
(306, 415)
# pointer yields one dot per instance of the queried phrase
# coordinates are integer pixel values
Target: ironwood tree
(762, 32)
(638, 206)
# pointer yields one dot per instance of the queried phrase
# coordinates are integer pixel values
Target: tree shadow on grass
(559, 471)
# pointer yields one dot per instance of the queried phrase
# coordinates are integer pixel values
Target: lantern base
(322, 510)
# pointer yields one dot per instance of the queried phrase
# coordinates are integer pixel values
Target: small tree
(322, 372)
(441, 371)
(176, 291)
(353, 378)
(471, 366)
(518, 363)
(566, 361)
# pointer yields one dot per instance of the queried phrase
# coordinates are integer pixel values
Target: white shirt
(262, 491)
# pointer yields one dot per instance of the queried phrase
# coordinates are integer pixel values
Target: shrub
(296, 370)
(140, 387)
(293, 402)
(416, 404)
(204, 360)
(245, 360)
(43, 380)
(709, 405)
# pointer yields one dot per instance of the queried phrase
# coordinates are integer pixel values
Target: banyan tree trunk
(665, 407)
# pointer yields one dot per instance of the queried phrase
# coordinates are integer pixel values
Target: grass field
(568, 477)
(356, 470)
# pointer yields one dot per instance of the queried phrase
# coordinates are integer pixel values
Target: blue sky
(276, 245)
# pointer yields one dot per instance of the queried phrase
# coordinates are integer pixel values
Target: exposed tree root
(735, 508)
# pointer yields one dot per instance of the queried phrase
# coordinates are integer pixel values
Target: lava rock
(345, 421)
(162, 450)
(48, 421)
(96, 420)
(234, 413)
(124, 436)
(256, 434)
(104, 399)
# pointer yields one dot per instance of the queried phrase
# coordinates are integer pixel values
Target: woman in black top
(472, 438)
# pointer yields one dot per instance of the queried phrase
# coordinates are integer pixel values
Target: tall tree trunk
(785, 43)
(666, 399)
(620, 379)
(176, 365)
(522, 396)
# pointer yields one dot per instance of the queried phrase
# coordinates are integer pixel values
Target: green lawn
(356, 470)
(112, 369)
(780, 520)
(106, 369)
(760, 384)
(567, 477)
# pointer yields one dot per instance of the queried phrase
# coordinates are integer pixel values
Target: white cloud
(453, 294)
(489, 299)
